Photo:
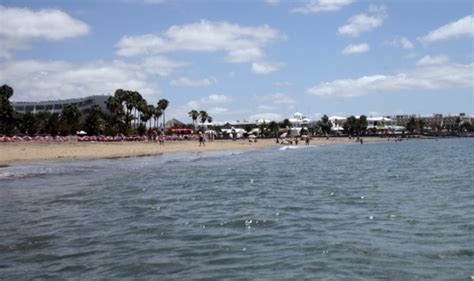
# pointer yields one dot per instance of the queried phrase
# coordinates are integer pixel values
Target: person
(296, 141)
(361, 141)
(201, 140)
(307, 140)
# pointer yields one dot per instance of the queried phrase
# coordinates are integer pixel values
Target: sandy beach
(26, 152)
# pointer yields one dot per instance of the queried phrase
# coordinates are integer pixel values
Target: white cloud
(242, 43)
(161, 66)
(264, 107)
(429, 60)
(437, 77)
(281, 98)
(406, 44)
(356, 49)
(210, 101)
(276, 100)
(400, 42)
(463, 27)
(217, 110)
(185, 81)
(266, 116)
(244, 55)
(364, 22)
(272, 2)
(21, 25)
(265, 67)
(315, 6)
(45, 80)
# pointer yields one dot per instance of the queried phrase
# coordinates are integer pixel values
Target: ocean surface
(377, 211)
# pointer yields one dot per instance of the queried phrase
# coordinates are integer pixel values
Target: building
(56, 106)
(174, 123)
(298, 122)
(436, 121)
(380, 123)
(337, 123)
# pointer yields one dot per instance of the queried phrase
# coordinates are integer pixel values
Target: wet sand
(21, 152)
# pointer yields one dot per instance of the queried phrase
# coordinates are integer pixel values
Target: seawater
(377, 211)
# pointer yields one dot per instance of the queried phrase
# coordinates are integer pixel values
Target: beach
(26, 151)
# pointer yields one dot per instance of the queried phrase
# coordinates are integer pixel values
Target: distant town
(110, 115)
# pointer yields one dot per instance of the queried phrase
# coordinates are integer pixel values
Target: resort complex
(127, 113)
(56, 106)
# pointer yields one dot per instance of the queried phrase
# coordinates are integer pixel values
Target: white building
(56, 106)
(380, 123)
(337, 123)
(298, 122)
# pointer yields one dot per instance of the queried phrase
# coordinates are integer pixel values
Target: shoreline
(17, 153)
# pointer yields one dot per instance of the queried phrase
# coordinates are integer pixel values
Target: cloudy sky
(246, 59)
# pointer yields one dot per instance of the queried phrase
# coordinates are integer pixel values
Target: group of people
(155, 135)
(295, 140)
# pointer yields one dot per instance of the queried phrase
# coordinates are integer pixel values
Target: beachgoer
(361, 141)
(202, 142)
(307, 140)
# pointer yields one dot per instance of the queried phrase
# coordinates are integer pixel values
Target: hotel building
(56, 106)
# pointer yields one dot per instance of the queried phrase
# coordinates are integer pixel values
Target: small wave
(286, 147)
(20, 172)
(9, 175)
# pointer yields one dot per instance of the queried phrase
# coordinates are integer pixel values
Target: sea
(372, 211)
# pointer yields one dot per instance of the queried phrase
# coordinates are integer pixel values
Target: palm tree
(162, 105)
(28, 124)
(7, 113)
(194, 114)
(350, 125)
(147, 113)
(150, 113)
(203, 116)
(157, 114)
(52, 124)
(362, 124)
(411, 125)
(325, 124)
(274, 127)
(71, 116)
(421, 126)
(94, 124)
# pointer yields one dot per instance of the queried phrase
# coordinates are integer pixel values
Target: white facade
(380, 123)
(298, 122)
(337, 123)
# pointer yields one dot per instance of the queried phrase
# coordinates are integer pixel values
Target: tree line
(130, 114)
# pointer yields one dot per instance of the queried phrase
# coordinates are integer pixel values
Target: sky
(246, 59)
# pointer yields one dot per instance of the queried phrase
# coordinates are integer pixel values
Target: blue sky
(246, 59)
